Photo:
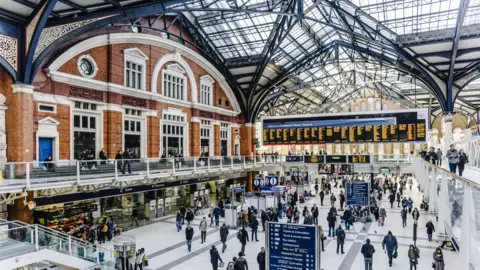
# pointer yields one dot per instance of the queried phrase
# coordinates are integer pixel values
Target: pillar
(194, 143)
(447, 131)
(153, 137)
(443, 209)
(466, 229)
(216, 139)
(20, 138)
(112, 132)
(246, 139)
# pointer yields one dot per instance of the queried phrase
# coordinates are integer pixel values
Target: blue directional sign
(294, 158)
(357, 193)
(292, 247)
(271, 180)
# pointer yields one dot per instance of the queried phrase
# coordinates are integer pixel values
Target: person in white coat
(203, 229)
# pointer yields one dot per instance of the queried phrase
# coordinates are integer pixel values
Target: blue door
(45, 148)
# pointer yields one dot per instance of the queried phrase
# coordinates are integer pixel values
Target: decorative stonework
(225, 118)
(8, 50)
(86, 93)
(50, 34)
(206, 114)
(136, 102)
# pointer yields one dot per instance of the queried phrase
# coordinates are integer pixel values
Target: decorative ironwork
(136, 102)
(8, 50)
(50, 34)
(86, 93)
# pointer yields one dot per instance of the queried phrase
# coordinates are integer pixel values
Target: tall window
(174, 130)
(84, 130)
(135, 62)
(134, 75)
(132, 127)
(205, 94)
(206, 90)
(224, 138)
(174, 82)
(205, 137)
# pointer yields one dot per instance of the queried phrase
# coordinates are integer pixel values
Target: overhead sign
(292, 247)
(294, 158)
(361, 159)
(271, 180)
(357, 193)
(359, 127)
(258, 182)
(315, 159)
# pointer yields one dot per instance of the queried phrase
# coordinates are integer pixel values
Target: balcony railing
(22, 176)
(34, 237)
(456, 202)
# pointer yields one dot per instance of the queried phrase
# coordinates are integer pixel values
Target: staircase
(24, 244)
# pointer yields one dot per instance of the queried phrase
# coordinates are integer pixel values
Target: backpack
(370, 251)
(239, 235)
(105, 228)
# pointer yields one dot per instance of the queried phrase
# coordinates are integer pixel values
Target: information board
(357, 193)
(292, 247)
(385, 126)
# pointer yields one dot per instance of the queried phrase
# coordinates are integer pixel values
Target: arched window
(363, 106)
(378, 105)
(355, 108)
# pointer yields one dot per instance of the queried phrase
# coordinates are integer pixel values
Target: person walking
(342, 199)
(315, 213)
(367, 251)
(410, 205)
(215, 257)
(241, 262)
(347, 216)
(223, 236)
(403, 213)
(254, 226)
(439, 157)
(333, 199)
(308, 220)
(340, 238)
(289, 215)
(203, 229)
(189, 235)
(438, 259)
(264, 219)
(138, 260)
(322, 196)
(390, 243)
(242, 235)
(391, 197)
(405, 203)
(415, 214)
(190, 216)
(118, 159)
(261, 259)
(216, 213)
(126, 161)
(134, 216)
(462, 160)
(430, 230)
(331, 224)
(452, 157)
(413, 256)
(199, 207)
(178, 221)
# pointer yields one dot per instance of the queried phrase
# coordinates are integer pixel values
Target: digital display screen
(386, 126)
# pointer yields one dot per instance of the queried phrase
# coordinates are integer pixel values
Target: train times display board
(372, 127)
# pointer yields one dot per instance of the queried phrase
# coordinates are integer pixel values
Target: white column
(465, 237)
(432, 195)
(447, 131)
(443, 213)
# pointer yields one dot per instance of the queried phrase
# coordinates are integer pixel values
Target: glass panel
(85, 106)
(132, 143)
(92, 122)
(83, 142)
(138, 126)
(84, 121)
(76, 121)
(126, 125)
(132, 125)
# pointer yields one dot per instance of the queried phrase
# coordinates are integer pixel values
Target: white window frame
(136, 56)
(45, 104)
(206, 90)
(225, 128)
(143, 129)
(206, 123)
(98, 128)
(175, 70)
(94, 65)
(177, 118)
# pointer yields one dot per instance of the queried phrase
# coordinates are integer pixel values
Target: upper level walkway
(26, 176)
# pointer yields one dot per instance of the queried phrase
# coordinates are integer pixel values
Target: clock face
(86, 67)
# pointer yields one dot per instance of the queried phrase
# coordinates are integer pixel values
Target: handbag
(433, 265)
(395, 254)
(221, 264)
(146, 262)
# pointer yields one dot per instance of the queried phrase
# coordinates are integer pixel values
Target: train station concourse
(240, 134)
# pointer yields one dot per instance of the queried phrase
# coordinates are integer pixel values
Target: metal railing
(456, 202)
(24, 176)
(36, 237)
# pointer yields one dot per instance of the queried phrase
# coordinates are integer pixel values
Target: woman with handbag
(413, 256)
(438, 263)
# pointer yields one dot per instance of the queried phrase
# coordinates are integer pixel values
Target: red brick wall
(112, 132)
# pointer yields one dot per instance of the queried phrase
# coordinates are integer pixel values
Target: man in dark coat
(189, 216)
(223, 236)
(261, 259)
(243, 239)
(315, 214)
(215, 257)
(340, 238)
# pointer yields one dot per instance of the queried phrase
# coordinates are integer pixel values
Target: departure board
(376, 127)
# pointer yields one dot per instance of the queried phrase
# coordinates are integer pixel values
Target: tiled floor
(166, 248)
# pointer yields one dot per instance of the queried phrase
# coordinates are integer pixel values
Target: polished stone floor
(166, 248)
